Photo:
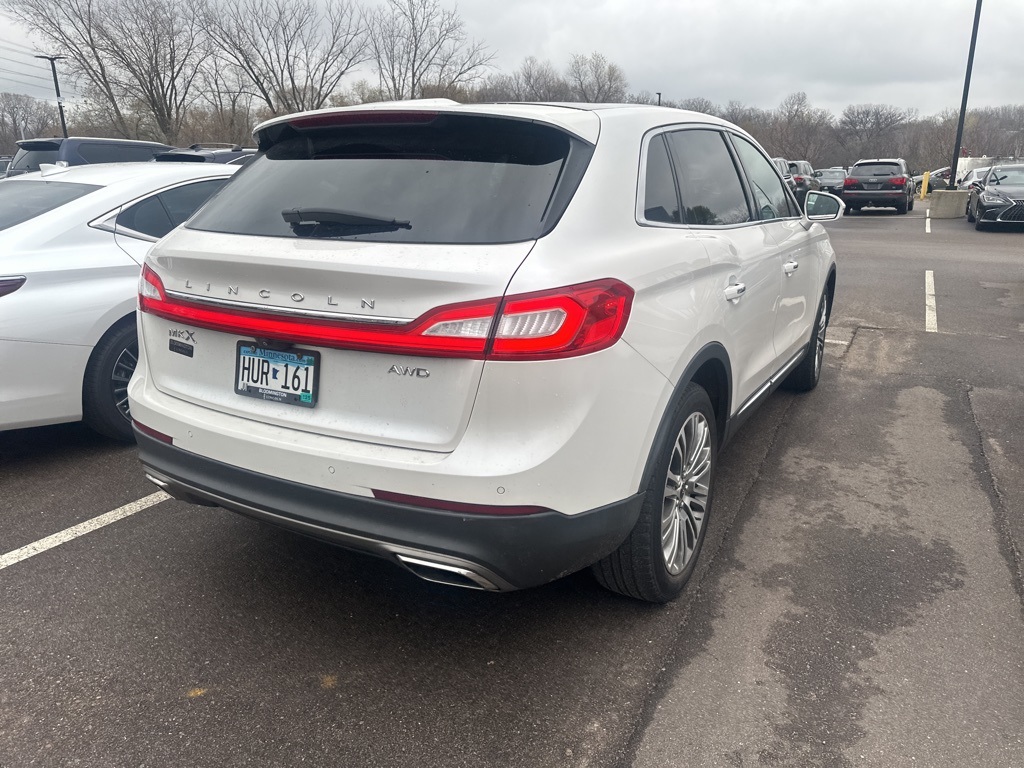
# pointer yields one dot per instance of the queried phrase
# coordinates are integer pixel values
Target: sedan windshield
(24, 200)
(1009, 176)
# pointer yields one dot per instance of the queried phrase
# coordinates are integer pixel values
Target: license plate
(289, 376)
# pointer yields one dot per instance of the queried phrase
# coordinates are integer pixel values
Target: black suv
(880, 183)
(802, 179)
(79, 150)
(206, 153)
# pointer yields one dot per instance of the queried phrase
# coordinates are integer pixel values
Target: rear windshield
(24, 200)
(29, 159)
(876, 169)
(829, 174)
(455, 179)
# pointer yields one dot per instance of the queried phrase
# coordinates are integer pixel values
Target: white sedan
(71, 244)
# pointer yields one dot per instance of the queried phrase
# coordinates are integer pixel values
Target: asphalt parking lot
(859, 599)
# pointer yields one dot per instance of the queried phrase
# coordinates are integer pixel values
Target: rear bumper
(881, 198)
(495, 552)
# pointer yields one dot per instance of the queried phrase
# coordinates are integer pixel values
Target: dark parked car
(879, 183)
(998, 198)
(206, 153)
(802, 181)
(5, 160)
(81, 150)
(831, 180)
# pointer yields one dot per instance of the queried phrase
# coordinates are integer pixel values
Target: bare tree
(418, 45)
(534, 80)
(699, 104)
(800, 131)
(593, 79)
(129, 52)
(294, 52)
(23, 117)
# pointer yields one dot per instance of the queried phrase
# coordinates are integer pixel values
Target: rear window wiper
(302, 217)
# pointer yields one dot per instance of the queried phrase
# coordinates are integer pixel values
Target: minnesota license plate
(289, 376)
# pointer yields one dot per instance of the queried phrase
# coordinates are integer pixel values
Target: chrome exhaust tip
(451, 575)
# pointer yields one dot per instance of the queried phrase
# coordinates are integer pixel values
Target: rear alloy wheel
(105, 389)
(805, 376)
(659, 556)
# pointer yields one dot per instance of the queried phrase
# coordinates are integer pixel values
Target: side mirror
(821, 206)
(817, 174)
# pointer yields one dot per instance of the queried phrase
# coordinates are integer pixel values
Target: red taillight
(848, 182)
(898, 181)
(545, 325)
(798, 179)
(456, 506)
(11, 284)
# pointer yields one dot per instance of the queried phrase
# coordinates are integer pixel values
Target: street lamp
(56, 87)
(967, 87)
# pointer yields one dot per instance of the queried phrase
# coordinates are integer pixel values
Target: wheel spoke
(686, 492)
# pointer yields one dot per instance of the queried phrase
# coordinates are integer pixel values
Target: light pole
(56, 87)
(659, 98)
(967, 87)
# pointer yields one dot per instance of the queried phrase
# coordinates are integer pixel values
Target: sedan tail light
(545, 325)
(11, 284)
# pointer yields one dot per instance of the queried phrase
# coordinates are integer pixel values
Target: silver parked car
(493, 343)
(71, 242)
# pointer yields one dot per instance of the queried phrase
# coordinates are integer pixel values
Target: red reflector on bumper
(456, 506)
(150, 432)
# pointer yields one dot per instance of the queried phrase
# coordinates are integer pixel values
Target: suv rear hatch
(871, 176)
(32, 153)
(340, 245)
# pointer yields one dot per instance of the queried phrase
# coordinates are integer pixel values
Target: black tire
(901, 207)
(807, 374)
(970, 214)
(910, 205)
(684, 460)
(105, 388)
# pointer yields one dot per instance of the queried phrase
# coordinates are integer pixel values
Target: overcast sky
(911, 53)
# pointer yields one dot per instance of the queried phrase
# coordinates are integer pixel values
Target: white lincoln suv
(494, 343)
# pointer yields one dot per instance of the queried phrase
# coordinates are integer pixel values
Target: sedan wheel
(105, 390)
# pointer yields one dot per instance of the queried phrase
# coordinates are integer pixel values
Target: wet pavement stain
(851, 588)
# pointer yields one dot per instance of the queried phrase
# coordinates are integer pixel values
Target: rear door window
(440, 179)
(24, 200)
(709, 183)
(95, 152)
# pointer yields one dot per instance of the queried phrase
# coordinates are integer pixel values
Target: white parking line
(837, 341)
(930, 321)
(927, 226)
(36, 547)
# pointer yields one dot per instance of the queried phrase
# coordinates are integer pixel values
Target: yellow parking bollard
(924, 183)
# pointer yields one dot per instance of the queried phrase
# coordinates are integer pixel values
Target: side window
(661, 201)
(138, 154)
(709, 184)
(101, 153)
(181, 202)
(159, 214)
(770, 196)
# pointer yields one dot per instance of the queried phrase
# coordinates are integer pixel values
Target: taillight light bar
(849, 182)
(544, 325)
(898, 181)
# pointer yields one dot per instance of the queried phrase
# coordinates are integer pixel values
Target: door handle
(791, 267)
(735, 291)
